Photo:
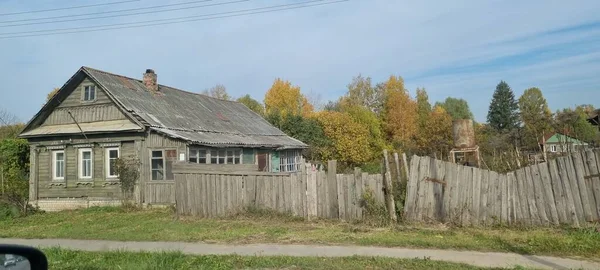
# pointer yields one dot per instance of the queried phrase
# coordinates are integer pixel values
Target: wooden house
(97, 117)
(557, 143)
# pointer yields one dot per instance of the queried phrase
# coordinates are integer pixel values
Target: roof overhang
(87, 128)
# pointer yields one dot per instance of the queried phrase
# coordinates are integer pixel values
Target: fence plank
(549, 195)
(557, 190)
(515, 207)
(593, 160)
(522, 194)
(575, 189)
(503, 199)
(422, 187)
(341, 201)
(439, 190)
(332, 188)
(457, 203)
(476, 197)
(540, 200)
(531, 198)
(583, 189)
(430, 192)
(465, 191)
(483, 210)
(589, 184)
(411, 194)
(448, 178)
(358, 192)
(566, 182)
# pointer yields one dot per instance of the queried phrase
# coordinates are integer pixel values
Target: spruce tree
(503, 114)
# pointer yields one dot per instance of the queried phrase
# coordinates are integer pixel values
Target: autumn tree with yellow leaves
(350, 139)
(285, 99)
(399, 113)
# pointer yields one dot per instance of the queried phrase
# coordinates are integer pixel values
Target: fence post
(332, 188)
(405, 163)
(398, 173)
(387, 181)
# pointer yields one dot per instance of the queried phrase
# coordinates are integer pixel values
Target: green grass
(67, 259)
(160, 225)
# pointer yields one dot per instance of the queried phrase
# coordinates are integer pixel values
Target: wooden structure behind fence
(562, 191)
(310, 193)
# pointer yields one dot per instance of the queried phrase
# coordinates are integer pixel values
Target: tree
(361, 92)
(503, 114)
(9, 125)
(252, 104)
(286, 99)
(574, 123)
(399, 113)
(458, 108)
(367, 118)
(14, 168)
(307, 130)
(217, 91)
(423, 106)
(535, 115)
(349, 139)
(52, 94)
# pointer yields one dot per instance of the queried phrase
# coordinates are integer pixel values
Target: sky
(458, 48)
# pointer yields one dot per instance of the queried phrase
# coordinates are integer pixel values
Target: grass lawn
(67, 259)
(160, 225)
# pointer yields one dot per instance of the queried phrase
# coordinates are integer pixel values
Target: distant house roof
(555, 138)
(594, 117)
(195, 118)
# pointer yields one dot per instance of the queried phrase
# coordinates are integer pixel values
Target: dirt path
(483, 259)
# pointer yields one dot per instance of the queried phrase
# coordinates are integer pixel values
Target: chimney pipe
(150, 80)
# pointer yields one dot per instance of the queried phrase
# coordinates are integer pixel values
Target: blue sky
(452, 48)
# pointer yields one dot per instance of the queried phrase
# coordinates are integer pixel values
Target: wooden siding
(72, 186)
(74, 99)
(85, 114)
(157, 192)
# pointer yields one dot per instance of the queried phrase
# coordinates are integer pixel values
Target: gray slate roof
(192, 117)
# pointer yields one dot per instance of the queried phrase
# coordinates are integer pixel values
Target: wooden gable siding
(85, 114)
(75, 98)
(72, 186)
(152, 191)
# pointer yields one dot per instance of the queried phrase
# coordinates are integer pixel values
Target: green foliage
(536, 117)
(574, 123)
(252, 104)
(503, 114)
(52, 94)
(307, 130)
(423, 106)
(128, 171)
(374, 213)
(14, 161)
(458, 108)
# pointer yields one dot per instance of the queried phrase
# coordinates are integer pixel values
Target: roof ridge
(141, 81)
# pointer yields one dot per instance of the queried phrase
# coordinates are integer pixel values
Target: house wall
(562, 148)
(74, 99)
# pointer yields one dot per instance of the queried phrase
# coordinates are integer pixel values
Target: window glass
(193, 156)
(157, 165)
(230, 157)
(111, 159)
(89, 92)
(59, 165)
(237, 157)
(214, 157)
(85, 163)
(202, 157)
(221, 157)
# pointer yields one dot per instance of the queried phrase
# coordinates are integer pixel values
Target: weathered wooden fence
(310, 193)
(562, 191)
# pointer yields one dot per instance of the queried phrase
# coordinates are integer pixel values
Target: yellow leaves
(400, 112)
(286, 99)
(350, 139)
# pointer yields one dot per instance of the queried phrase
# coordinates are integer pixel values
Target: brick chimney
(150, 80)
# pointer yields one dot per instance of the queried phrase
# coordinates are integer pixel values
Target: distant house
(97, 117)
(560, 143)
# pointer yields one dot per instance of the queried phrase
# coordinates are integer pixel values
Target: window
(553, 148)
(158, 165)
(198, 156)
(89, 93)
(290, 161)
(58, 165)
(85, 163)
(111, 158)
(226, 156)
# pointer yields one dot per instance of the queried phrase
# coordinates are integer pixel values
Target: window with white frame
(112, 154)
(553, 148)
(198, 156)
(85, 163)
(290, 161)
(225, 156)
(89, 92)
(58, 165)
